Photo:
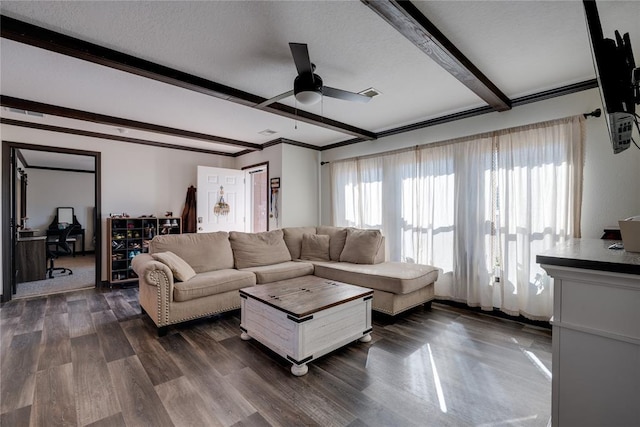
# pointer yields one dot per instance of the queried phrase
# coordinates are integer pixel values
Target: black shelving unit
(129, 237)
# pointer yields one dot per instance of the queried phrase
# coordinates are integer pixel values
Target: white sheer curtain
(539, 197)
(472, 255)
(473, 207)
(360, 199)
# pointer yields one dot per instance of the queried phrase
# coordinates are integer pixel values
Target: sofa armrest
(153, 272)
(156, 287)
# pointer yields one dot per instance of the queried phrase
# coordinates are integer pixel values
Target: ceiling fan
(307, 86)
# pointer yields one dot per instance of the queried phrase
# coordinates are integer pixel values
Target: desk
(31, 259)
(27, 232)
(51, 232)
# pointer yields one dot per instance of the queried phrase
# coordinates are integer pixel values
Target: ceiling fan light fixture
(308, 97)
(307, 88)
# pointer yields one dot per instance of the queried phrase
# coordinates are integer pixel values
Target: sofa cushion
(293, 239)
(281, 271)
(337, 237)
(394, 277)
(212, 283)
(180, 269)
(257, 249)
(315, 247)
(361, 246)
(202, 251)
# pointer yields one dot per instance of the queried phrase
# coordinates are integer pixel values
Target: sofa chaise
(189, 276)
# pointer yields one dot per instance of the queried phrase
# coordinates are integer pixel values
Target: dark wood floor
(90, 358)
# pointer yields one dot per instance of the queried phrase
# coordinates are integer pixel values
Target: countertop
(591, 254)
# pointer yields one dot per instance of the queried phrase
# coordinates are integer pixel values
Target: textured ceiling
(523, 47)
(46, 159)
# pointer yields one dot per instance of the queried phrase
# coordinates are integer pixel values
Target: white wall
(136, 179)
(300, 201)
(610, 189)
(297, 168)
(49, 189)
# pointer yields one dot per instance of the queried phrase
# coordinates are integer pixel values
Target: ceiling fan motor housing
(306, 83)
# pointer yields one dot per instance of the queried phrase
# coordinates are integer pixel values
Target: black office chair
(55, 248)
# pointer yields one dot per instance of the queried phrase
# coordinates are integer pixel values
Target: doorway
(221, 200)
(232, 199)
(259, 196)
(42, 203)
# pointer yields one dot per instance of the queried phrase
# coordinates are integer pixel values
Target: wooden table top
(303, 296)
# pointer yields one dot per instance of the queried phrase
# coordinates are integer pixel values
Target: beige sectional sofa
(189, 276)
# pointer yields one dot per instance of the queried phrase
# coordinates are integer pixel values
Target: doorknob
(199, 220)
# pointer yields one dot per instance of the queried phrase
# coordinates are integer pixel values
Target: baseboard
(495, 313)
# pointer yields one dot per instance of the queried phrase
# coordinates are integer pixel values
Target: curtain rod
(595, 113)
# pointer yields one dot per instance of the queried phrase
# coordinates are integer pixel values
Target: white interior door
(210, 181)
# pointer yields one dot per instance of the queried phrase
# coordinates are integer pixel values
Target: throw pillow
(258, 249)
(293, 239)
(179, 267)
(315, 247)
(361, 246)
(337, 236)
(202, 251)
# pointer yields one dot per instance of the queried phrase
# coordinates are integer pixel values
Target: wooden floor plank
(12, 309)
(273, 405)
(54, 401)
(8, 328)
(17, 371)
(359, 404)
(19, 417)
(138, 399)
(261, 359)
(115, 420)
(253, 420)
(220, 358)
(120, 307)
(32, 318)
(79, 295)
(130, 294)
(56, 343)
(404, 402)
(80, 322)
(222, 326)
(120, 373)
(184, 404)
(97, 302)
(229, 404)
(95, 394)
(156, 361)
(273, 370)
(56, 304)
(112, 338)
(347, 363)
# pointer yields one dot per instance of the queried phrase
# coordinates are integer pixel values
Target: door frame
(259, 165)
(8, 202)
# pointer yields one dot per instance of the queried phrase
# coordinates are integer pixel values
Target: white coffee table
(307, 317)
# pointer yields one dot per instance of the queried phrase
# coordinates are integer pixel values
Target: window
(480, 209)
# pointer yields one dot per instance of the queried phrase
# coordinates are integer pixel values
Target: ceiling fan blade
(274, 99)
(344, 95)
(300, 54)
